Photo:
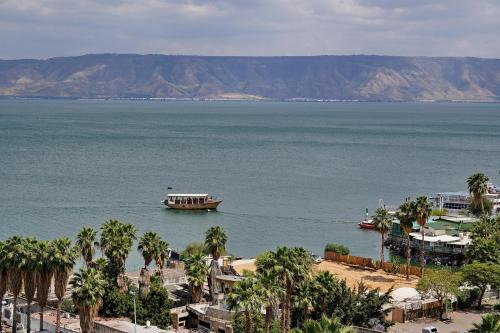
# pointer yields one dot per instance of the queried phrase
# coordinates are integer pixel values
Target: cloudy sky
(47, 28)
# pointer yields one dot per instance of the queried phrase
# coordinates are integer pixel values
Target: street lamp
(135, 312)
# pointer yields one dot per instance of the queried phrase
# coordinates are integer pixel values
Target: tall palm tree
(86, 242)
(423, 210)
(64, 260)
(4, 278)
(88, 287)
(30, 275)
(116, 242)
(325, 325)
(271, 291)
(291, 266)
(383, 224)
(215, 244)
(406, 216)
(14, 248)
(478, 187)
(147, 247)
(303, 298)
(45, 268)
(246, 296)
(196, 271)
(490, 323)
(161, 255)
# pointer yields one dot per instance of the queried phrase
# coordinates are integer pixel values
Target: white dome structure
(405, 294)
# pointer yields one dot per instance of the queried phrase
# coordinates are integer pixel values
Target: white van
(429, 329)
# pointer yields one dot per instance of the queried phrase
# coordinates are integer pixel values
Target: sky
(49, 28)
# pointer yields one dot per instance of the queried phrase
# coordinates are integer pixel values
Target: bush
(155, 307)
(337, 248)
(68, 306)
(466, 298)
(116, 303)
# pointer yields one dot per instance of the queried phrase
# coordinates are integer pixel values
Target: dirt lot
(460, 322)
(373, 279)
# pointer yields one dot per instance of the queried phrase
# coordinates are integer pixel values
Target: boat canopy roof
(190, 195)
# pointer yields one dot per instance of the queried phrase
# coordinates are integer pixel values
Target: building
(455, 202)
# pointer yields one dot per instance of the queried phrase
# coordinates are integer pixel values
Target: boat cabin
(187, 199)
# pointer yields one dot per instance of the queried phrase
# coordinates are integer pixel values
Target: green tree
(196, 271)
(485, 245)
(64, 260)
(406, 216)
(13, 253)
(325, 325)
(478, 187)
(86, 242)
(155, 307)
(246, 296)
(439, 284)
(30, 275)
(423, 210)
(192, 248)
(490, 323)
(88, 288)
(271, 291)
(325, 285)
(161, 255)
(45, 268)
(383, 224)
(4, 277)
(117, 239)
(481, 275)
(303, 298)
(290, 266)
(148, 245)
(215, 244)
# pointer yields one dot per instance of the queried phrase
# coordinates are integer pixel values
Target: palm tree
(215, 244)
(291, 266)
(406, 216)
(45, 268)
(147, 247)
(246, 296)
(196, 271)
(325, 325)
(423, 211)
(63, 262)
(30, 275)
(4, 278)
(88, 288)
(304, 298)
(325, 284)
(86, 242)
(478, 187)
(161, 255)
(490, 323)
(116, 242)
(383, 224)
(14, 248)
(271, 292)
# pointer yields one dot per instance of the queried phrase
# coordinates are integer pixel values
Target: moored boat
(367, 224)
(188, 201)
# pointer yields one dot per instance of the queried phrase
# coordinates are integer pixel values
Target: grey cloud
(45, 28)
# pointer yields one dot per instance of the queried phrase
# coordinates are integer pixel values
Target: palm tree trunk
(14, 315)
(28, 319)
(282, 319)
(41, 318)
(58, 316)
(268, 318)
(480, 300)
(248, 322)
(1, 309)
(482, 204)
(408, 257)
(288, 306)
(422, 251)
(382, 252)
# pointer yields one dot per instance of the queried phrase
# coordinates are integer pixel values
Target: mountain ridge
(322, 77)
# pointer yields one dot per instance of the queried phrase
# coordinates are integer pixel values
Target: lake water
(289, 173)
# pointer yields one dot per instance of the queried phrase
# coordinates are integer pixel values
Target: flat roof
(188, 195)
(433, 239)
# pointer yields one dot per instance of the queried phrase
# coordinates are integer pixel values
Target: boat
(188, 201)
(367, 224)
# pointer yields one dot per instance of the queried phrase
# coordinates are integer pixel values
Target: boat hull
(366, 225)
(208, 205)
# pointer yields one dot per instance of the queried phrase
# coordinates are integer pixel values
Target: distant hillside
(374, 78)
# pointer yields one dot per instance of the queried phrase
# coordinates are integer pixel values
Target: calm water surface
(289, 173)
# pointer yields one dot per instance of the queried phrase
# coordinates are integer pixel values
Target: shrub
(466, 298)
(337, 248)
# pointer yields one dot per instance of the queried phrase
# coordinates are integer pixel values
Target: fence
(370, 263)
